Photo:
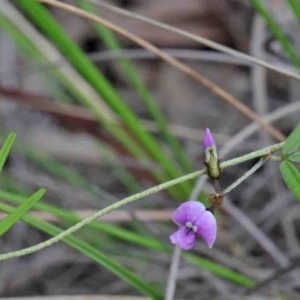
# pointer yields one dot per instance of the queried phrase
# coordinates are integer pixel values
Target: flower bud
(211, 155)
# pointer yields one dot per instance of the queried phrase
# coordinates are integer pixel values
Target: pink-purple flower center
(191, 227)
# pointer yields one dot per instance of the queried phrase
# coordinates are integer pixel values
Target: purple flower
(194, 221)
(209, 141)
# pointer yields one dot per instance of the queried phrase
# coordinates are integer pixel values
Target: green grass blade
(65, 173)
(91, 252)
(61, 171)
(46, 22)
(295, 6)
(135, 80)
(5, 149)
(33, 51)
(292, 142)
(277, 32)
(11, 219)
(219, 270)
(11, 185)
(291, 177)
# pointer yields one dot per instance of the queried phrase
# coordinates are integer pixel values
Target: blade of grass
(26, 40)
(112, 43)
(11, 185)
(84, 95)
(137, 239)
(295, 6)
(219, 270)
(32, 48)
(63, 172)
(5, 149)
(59, 170)
(46, 22)
(277, 32)
(91, 252)
(11, 219)
(30, 53)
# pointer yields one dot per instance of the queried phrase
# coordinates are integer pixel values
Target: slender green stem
(100, 213)
(255, 154)
(64, 234)
(276, 158)
(244, 177)
(251, 155)
(135, 79)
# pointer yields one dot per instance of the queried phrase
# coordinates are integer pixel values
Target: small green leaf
(19, 212)
(293, 141)
(4, 152)
(295, 157)
(291, 176)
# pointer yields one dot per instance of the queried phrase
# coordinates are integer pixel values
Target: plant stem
(244, 177)
(71, 230)
(276, 158)
(251, 155)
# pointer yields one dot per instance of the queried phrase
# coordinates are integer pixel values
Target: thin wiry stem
(264, 241)
(132, 54)
(244, 177)
(171, 285)
(236, 213)
(275, 115)
(196, 38)
(50, 53)
(260, 97)
(127, 200)
(295, 263)
(251, 155)
(100, 213)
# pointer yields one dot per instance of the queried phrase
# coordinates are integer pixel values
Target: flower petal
(189, 211)
(208, 141)
(183, 238)
(207, 228)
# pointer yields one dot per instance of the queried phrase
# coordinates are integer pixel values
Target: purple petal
(207, 228)
(189, 211)
(209, 140)
(183, 238)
